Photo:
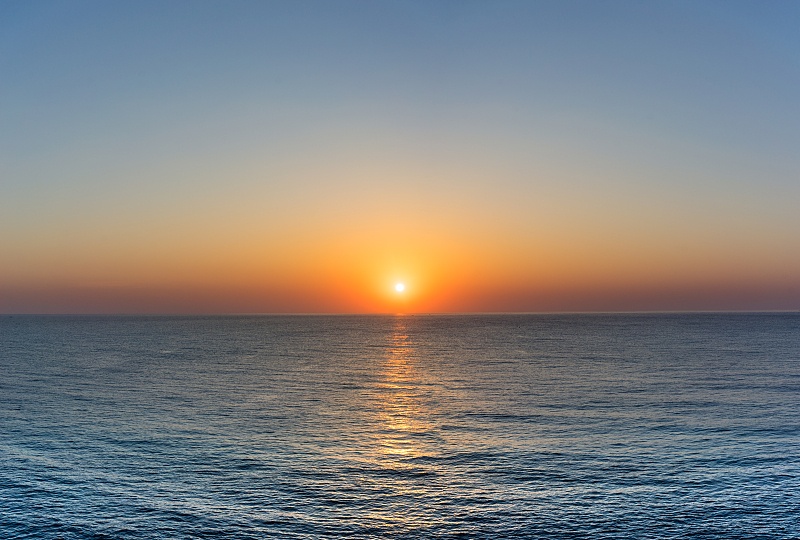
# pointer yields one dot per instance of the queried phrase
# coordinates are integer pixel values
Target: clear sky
(306, 156)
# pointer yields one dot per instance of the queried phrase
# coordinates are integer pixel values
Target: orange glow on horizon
(352, 268)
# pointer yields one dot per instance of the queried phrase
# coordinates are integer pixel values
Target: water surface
(488, 426)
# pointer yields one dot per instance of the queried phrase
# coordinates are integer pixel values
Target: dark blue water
(530, 426)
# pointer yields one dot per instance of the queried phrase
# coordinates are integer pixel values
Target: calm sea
(489, 426)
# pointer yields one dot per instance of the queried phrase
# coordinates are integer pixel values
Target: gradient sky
(303, 156)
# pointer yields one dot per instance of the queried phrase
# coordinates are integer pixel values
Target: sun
(399, 287)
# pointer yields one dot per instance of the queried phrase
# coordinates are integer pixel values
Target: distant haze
(305, 156)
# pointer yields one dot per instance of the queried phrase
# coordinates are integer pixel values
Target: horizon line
(411, 314)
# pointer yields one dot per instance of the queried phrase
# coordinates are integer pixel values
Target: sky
(305, 156)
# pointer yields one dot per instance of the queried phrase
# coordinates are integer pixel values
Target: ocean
(464, 426)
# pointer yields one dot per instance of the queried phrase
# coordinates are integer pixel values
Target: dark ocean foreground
(508, 426)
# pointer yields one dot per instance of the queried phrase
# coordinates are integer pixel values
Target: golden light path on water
(403, 413)
(404, 427)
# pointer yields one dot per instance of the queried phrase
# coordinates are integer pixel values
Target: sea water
(468, 426)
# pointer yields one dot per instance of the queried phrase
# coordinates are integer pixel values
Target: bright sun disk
(399, 287)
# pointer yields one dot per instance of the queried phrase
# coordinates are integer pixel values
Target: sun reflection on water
(407, 441)
(405, 419)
